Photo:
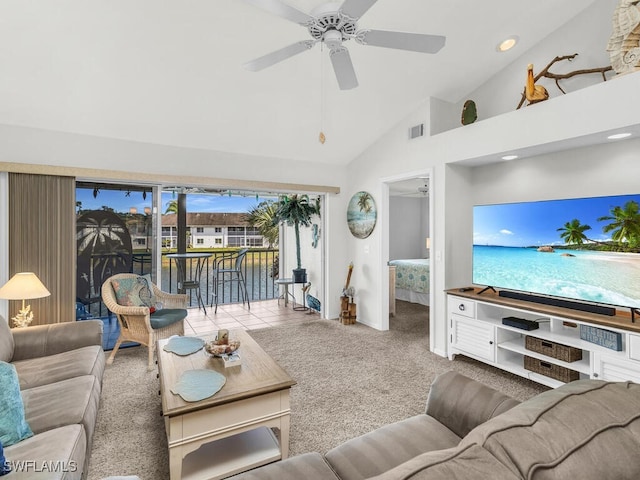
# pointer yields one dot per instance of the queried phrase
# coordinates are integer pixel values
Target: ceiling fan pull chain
(322, 138)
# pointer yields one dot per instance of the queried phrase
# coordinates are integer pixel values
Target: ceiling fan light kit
(333, 24)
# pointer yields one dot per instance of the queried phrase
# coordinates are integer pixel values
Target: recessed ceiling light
(618, 136)
(507, 43)
(510, 157)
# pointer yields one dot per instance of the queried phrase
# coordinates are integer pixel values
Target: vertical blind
(42, 240)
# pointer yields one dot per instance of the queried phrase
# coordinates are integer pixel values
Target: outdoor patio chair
(145, 313)
(227, 269)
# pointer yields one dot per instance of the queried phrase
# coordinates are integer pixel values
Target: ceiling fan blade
(415, 42)
(282, 10)
(342, 65)
(278, 56)
(356, 8)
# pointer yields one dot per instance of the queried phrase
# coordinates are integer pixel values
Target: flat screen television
(582, 249)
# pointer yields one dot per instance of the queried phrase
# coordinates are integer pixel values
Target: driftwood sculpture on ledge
(556, 76)
(624, 44)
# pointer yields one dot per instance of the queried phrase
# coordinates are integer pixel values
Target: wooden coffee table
(231, 431)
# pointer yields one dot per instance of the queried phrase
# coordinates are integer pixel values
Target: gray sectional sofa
(60, 369)
(588, 430)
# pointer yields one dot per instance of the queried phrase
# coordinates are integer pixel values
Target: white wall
(408, 227)
(608, 169)
(43, 147)
(311, 259)
(4, 241)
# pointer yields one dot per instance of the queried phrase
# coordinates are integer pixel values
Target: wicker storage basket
(552, 349)
(550, 370)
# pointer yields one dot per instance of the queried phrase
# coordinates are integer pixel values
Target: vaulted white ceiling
(170, 72)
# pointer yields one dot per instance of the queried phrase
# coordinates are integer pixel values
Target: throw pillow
(5, 466)
(13, 424)
(153, 300)
(133, 292)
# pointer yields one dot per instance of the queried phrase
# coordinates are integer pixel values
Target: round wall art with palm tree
(362, 214)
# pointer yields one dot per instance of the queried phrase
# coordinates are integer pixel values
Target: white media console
(476, 330)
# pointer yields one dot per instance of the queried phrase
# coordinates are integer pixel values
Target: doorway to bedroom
(408, 233)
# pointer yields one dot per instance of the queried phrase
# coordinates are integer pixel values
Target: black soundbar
(559, 302)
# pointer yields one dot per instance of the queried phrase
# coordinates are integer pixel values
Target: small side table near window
(286, 294)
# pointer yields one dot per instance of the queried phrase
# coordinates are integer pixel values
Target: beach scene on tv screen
(584, 249)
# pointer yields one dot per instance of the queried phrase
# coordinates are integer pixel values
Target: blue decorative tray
(196, 385)
(184, 345)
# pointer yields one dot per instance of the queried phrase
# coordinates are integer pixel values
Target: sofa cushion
(6, 341)
(567, 432)
(57, 454)
(45, 340)
(461, 404)
(53, 368)
(383, 449)
(13, 424)
(309, 466)
(469, 463)
(75, 400)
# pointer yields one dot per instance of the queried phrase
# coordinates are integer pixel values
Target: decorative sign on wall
(362, 214)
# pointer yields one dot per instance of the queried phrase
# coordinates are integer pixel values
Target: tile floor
(262, 314)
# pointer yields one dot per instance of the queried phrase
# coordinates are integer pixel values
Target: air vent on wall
(417, 131)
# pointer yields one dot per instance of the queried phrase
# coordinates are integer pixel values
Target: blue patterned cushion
(13, 425)
(5, 467)
(133, 292)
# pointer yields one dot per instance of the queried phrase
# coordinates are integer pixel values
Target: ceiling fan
(420, 191)
(333, 24)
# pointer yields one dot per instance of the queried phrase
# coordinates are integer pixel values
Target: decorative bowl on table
(217, 350)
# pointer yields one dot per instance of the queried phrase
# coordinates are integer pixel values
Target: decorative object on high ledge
(361, 214)
(23, 286)
(624, 44)
(534, 93)
(531, 90)
(469, 112)
(297, 210)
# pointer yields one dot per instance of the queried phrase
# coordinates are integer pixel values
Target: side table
(286, 282)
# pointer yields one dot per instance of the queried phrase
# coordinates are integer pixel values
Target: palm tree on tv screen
(625, 224)
(573, 232)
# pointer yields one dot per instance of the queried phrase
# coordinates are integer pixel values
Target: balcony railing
(259, 268)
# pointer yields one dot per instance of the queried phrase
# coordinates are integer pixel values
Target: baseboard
(440, 352)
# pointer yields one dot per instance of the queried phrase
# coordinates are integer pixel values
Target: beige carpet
(350, 380)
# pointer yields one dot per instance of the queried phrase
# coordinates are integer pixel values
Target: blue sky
(536, 223)
(195, 203)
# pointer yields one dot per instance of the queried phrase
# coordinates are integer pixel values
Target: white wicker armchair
(135, 322)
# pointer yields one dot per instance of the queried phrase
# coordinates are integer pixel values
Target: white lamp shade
(428, 243)
(22, 286)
